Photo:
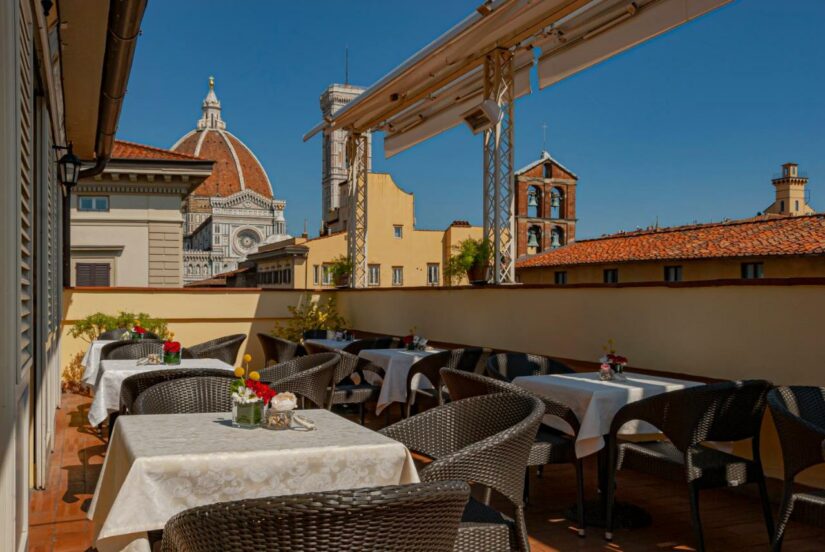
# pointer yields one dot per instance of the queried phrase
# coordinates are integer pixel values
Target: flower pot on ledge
(477, 275)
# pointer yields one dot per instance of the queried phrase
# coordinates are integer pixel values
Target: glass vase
(247, 415)
(172, 359)
(278, 420)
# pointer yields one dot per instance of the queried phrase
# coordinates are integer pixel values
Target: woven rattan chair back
(278, 349)
(186, 396)
(113, 334)
(799, 415)
(308, 376)
(508, 366)
(131, 350)
(408, 518)
(428, 367)
(372, 343)
(136, 384)
(472, 359)
(223, 348)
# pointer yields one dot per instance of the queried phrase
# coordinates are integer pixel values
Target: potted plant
(340, 271)
(471, 258)
(249, 396)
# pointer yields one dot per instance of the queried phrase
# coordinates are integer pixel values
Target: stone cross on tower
(211, 110)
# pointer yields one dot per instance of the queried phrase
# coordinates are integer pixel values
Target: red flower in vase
(171, 347)
(407, 340)
(616, 359)
(139, 330)
(262, 390)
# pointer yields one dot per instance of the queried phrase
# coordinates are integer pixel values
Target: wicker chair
(372, 343)
(186, 396)
(404, 518)
(134, 385)
(113, 334)
(550, 447)
(131, 350)
(278, 349)
(508, 366)
(799, 415)
(308, 376)
(483, 440)
(428, 367)
(222, 348)
(345, 390)
(726, 411)
(317, 334)
(471, 359)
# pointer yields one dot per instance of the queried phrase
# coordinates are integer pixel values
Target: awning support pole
(498, 168)
(358, 158)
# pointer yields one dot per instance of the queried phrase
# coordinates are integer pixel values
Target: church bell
(532, 240)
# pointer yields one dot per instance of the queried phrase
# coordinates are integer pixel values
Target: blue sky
(690, 126)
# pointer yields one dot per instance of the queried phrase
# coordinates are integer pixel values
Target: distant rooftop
(754, 237)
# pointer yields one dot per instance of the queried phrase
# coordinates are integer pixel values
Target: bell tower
(545, 206)
(790, 193)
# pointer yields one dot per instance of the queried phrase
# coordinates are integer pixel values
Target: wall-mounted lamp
(69, 166)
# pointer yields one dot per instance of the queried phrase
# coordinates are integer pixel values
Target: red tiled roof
(225, 179)
(131, 150)
(760, 236)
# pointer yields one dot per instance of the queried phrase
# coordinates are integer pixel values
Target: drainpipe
(123, 29)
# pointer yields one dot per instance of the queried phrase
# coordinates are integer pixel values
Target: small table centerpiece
(249, 396)
(138, 331)
(171, 351)
(613, 364)
(414, 342)
(279, 414)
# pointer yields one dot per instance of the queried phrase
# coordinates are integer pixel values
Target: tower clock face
(246, 240)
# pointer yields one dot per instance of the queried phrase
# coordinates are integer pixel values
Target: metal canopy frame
(358, 158)
(489, 55)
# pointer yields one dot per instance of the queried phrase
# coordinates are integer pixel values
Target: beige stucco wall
(141, 236)
(729, 332)
(693, 270)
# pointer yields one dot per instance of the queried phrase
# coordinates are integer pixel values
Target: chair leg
(610, 486)
(526, 493)
(766, 506)
(521, 530)
(361, 412)
(486, 497)
(785, 510)
(696, 518)
(580, 496)
(539, 471)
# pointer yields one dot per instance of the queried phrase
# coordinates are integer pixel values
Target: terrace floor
(732, 521)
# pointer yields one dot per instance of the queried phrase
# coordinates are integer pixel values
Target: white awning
(430, 92)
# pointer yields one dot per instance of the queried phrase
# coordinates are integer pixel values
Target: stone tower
(545, 206)
(334, 161)
(790, 193)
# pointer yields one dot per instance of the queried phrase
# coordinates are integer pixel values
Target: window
(327, 276)
(374, 273)
(782, 206)
(398, 275)
(560, 277)
(432, 274)
(752, 271)
(315, 274)
(673, 274)
(611, 276)
(93, 203)
(796, 205)
(398, 231)
(92, 274)
(287, 276)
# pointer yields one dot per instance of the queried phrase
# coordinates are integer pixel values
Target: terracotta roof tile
(131, 150)
(757, 237)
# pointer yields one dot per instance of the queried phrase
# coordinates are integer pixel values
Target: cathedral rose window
(246, 240)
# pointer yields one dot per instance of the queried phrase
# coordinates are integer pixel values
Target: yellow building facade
(398, 253)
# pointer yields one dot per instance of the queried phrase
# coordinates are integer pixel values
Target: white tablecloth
(112, 373)
(596, 402)
(396, 364)
(157, 466)
(91, 360)
(331, 344)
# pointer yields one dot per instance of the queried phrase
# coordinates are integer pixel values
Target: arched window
(533, 240)
(557, 203)
(534, 201)
(782, 206)
(556, 237)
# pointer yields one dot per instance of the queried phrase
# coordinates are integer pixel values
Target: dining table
(595, 403)
(111, 374)
(331, 344)
(159, 465)
(91, 360)
(396, 364)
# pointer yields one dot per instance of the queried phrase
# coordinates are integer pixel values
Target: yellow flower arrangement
(239, 372)
(254, 376)
(247, 358)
